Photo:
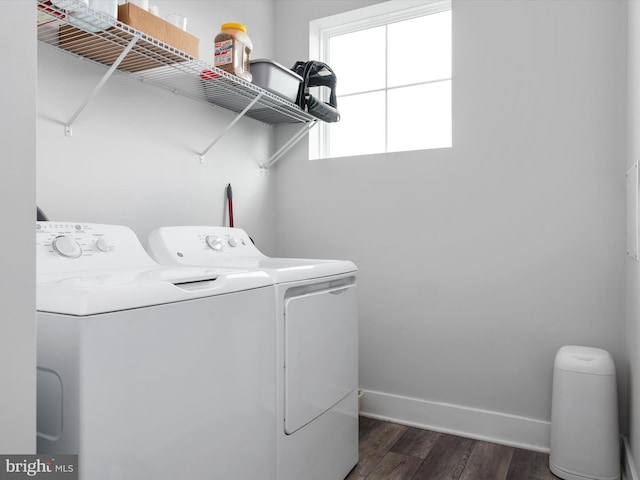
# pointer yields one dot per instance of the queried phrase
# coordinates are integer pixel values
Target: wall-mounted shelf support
(233, 122)
(72, 26)
(300, 134)
(67, 128)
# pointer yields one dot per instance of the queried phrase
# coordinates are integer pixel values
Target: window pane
(360, 130)
(420, 117)
(420, 49)
(354, 58)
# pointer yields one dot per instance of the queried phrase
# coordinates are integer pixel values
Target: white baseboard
(629, 471)
(505, 429)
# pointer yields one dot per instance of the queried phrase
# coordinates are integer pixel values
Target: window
(393, 64)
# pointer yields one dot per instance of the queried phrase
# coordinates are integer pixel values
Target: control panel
(219, 242)
(62, 246)
(204, 245)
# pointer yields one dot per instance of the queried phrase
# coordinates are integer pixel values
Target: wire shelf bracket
(230, 126)
(299, 135)
(67, 128)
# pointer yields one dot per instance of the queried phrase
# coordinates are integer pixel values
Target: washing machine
(149, 371)
(316, 345)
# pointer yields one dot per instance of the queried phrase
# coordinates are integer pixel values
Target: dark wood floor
(389, 451)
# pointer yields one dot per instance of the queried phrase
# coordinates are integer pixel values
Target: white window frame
(322, 29)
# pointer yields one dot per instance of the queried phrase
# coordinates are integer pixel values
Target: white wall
(17, 209)
(133, 158)
(478, 262)
(633, 268)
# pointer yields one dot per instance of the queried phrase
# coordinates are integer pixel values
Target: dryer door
(321, 349)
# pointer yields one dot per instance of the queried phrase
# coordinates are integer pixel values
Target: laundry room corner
(406, 269)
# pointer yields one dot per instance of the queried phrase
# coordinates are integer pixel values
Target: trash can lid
(589, 360)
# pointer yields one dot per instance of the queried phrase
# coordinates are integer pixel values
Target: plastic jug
(232, 49)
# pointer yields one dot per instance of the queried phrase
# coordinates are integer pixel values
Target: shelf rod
(235, 120)
(67, 128)
(300, 134)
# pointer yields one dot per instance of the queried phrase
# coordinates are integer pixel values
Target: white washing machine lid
(232, 248)
(87, 269)
(91, 293)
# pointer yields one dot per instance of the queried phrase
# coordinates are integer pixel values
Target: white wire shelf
(73, 27)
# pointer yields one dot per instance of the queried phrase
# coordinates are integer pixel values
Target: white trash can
(584, 415)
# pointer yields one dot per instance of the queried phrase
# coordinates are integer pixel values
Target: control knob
(214, 242)
(233, 242)
(66, 246)
(103, 245)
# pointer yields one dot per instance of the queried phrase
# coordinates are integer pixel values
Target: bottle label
(223, 53)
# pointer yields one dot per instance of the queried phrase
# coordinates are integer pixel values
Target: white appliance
(148, 371)
(317, 345)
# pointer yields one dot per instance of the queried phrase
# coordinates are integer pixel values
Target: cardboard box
(108, 46)
(158, 28)
(105, 46)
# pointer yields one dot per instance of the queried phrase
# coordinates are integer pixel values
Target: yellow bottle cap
(234, 26)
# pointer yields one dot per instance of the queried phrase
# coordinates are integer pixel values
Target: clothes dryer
(148, 371)
(316, 348)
